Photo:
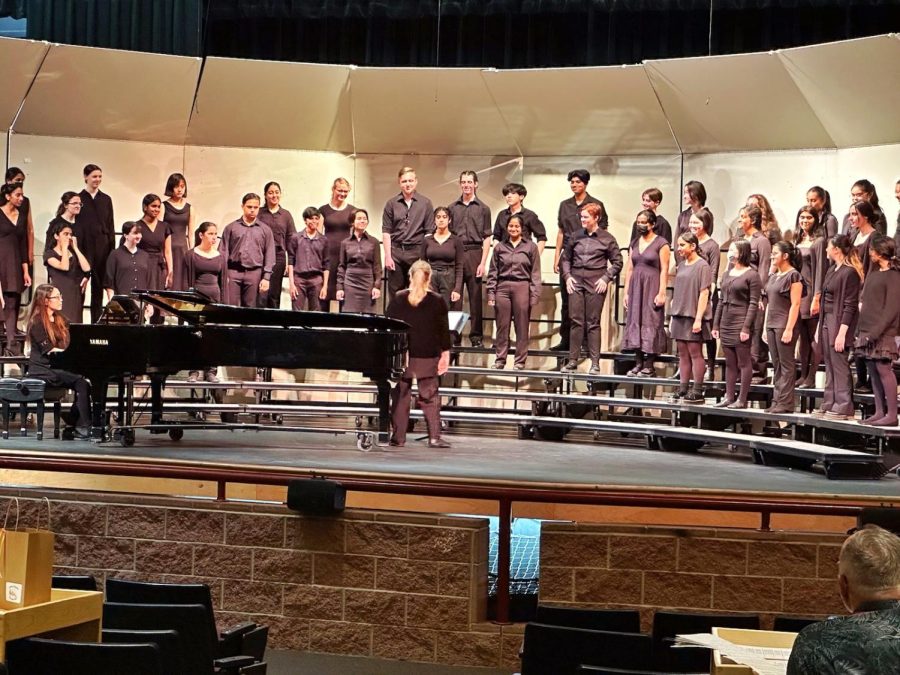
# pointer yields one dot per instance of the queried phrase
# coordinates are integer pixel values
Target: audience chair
(561, 651)
(189, 621)
(247, 639)
(793, 624)
(167, 641)
(666, 625)
(74, 582)
(39, 656)
(616, 620)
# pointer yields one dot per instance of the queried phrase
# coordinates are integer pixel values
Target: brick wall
(366, 583)
(721, 570)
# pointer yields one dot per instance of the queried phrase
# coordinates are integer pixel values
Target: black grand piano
(213, 334)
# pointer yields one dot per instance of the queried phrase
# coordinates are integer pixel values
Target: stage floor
(613, 463)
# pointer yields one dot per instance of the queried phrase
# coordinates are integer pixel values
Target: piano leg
(99, 425)
(156, 405)
(383, 398)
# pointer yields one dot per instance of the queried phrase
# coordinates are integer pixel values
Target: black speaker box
(888, 518)
(317, 496)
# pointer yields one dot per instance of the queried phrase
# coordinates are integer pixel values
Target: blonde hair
(419, 281)
(870, 559)
(405, 169)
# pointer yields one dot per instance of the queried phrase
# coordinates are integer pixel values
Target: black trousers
(472, 287)
(98, 267)
(398, 278)
(272, 298)
(784, 368)
(565, 321)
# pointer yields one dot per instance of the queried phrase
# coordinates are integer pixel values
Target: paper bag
(26, 565)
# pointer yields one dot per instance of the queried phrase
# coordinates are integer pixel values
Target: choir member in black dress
(15, 175)
(784, 291)
(879, 325)
(66, 214)
(568, 222)
(308, 266)
(837, 326)
(48, 331)
(691, 315)
(179, 216)
(694, 198)
(701, 224)
(444, 252)
(513, 287)
(590, 261)
(810, 241)
(819, 199)
(96, 232)
(249, 250)
(204, 271)
(68, 270)
(651, 198)
(897, 230)
(407, 217)
(156, 240)
(733, 323)
(281, 222)
(359, 270)
(14, 275)
(864, 191)
(750, 218)
(337, 228)
(769, 226)
(532, 227)
(470, 220)
(428, 355)
(646, 280)
(862, 232)
(128, 267)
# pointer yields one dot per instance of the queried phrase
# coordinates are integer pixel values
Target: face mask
(643, 229)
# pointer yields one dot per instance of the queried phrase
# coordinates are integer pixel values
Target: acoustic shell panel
(581, 111)
(735, 103)
(85, 92)
(853, 87)
(269, 104)
(21, 59)
(426, 111)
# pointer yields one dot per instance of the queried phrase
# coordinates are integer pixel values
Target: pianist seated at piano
(48, 332)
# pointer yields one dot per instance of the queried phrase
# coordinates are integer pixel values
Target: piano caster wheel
(127, 438)
(278, 419)
(176, 433)
(363, 442)
(358, 422)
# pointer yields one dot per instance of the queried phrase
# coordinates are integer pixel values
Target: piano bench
(30, 390)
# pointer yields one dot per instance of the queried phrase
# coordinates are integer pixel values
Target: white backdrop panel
(881, 165)
(581, 111)
(269, 104)
(426, 111)
(85, 92)
(733, 103)
(21, 59)
(853, 86)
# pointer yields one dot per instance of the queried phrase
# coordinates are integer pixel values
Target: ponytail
(885, 247)
(842, 243)
(419, 280)
(792, 252)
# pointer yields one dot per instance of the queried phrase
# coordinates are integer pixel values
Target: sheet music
(762, 660)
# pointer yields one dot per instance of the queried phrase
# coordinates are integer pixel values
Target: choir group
(815, 292)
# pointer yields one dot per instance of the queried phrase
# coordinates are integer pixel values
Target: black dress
(337, 229)
(153, 242)
(206, 275)
(13, 252)
(178, 220)
(738, 306)
(69, 284)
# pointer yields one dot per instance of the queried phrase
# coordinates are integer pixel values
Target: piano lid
(196, 308)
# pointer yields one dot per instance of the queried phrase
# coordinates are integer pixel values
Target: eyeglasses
(74, 204)
(54, 297)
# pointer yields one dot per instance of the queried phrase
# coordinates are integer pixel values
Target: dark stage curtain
(473, 33)
(13, 8)
(161, 26)
(529, 33)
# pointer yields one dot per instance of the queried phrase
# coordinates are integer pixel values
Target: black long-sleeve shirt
(593, 255)
(470, 222)
(442, 255)
(568, 219)
(282, 225)
(429, 330)
(95, 226)
(308, 255)
(249, 246)
(515, 263)
(407, 225)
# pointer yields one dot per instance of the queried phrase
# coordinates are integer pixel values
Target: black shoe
(193, 376)
(759, 379)
(394, 443)
(678, 395)
(634, 371)
(498, 365)
(862, 389)
(83, 433)
(694, 396)
(438, 443)
(561, 347)
(570, 366)
(647, 372)
(476, 342)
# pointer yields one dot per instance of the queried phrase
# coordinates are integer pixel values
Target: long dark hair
(788, 249)
(868, 187)
(58, 329)
(64, 202)
(825, 196)
(885, 247)
(6, 190)
(742, 249)
(843, 244)
(815, 231)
